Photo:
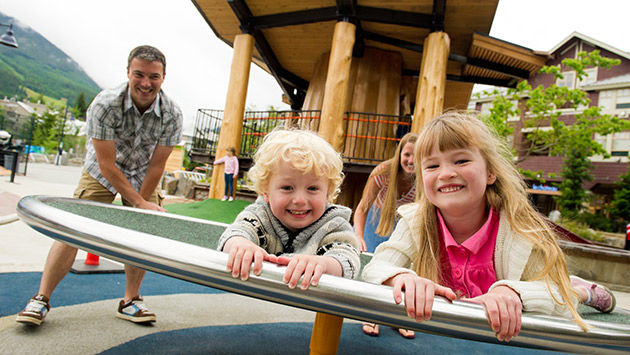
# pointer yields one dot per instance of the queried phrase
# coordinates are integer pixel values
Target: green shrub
(581, 229)
(600, 222)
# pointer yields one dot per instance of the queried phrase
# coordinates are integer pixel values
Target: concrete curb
(8, 218)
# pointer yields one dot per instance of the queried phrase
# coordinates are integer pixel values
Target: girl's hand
(419, 294)
(242, 253)
(503, 308)
(312, 267)
(362, 245)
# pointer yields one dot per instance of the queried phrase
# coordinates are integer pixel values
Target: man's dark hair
(149, 53)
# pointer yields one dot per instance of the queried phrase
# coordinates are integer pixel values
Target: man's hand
(312, 267)
(146, 205)
(242, 253)
(503, 308)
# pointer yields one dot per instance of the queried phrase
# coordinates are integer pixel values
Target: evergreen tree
(81, 106)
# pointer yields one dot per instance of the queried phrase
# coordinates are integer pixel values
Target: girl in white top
(466, 182)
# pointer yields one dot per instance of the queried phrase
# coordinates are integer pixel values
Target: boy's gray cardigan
(331, 235)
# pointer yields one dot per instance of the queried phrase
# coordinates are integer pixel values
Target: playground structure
(394, 58)
(356, 70)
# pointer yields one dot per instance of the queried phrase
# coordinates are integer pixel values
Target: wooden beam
(507, 49)
(439, 11)
(287, 80)
(294, 18)
(232, 125)
(394, 17)
(331, 126)
(432, 80)
(346, 10)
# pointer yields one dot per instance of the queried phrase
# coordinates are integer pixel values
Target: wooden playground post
(327, 328)
(331, 125)
(432, 80)
(232, 124)
(326, 333)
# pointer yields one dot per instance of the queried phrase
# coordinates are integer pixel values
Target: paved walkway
(189, 320)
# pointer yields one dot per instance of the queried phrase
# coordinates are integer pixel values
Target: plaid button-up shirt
(113, 116)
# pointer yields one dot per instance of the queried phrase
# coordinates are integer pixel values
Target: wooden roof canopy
(290, 35)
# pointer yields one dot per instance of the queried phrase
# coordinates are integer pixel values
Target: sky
(99, 35)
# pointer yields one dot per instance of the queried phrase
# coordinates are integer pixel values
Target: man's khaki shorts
(90, 189)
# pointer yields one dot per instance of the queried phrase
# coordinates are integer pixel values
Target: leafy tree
(573, 141)
(48, 129)
(620, 204)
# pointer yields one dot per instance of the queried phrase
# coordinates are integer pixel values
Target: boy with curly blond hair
(293, 222)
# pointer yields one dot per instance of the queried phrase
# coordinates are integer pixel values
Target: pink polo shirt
(231, 164)
(468, 268)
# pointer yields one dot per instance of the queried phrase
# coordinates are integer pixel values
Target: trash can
(8, 160)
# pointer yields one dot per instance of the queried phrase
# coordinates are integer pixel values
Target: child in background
(296, 175)
(230, 173)
(473, 233)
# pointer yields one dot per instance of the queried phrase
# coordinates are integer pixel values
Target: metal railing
(206, 133)
(370, 138)
(256, 124)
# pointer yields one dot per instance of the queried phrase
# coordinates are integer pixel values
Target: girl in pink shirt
(230, 173)
(472, 233)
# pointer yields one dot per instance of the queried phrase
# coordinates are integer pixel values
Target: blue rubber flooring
(285, 338)
(294, 338)
(17, 288)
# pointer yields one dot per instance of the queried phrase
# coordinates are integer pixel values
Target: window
(615, 102)
(570, 78)
(509, 140)
(606, 100)
(485, 108)
(620, 144)
(538, 148)
(512, 118)
(623, 99)
(568, 81)
(589, 78)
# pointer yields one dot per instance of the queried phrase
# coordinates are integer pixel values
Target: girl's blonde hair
(393, 169)
(456, 130)
(304, 150)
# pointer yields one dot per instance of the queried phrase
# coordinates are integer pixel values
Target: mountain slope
(40, 66)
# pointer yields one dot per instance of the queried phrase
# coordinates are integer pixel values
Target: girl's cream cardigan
(514, 262)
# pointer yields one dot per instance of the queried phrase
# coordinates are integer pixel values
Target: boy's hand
(503, 308)
(311, 266)
(242, 253)
(419, 294)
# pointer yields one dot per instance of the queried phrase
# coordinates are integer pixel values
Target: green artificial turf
(210, 209)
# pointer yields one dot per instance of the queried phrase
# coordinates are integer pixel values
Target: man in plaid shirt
(132, 130)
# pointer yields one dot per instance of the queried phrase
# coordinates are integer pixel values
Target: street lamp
(8, 39)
